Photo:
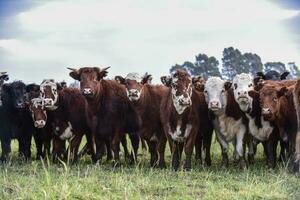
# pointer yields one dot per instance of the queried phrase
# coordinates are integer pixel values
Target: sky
(40, 39)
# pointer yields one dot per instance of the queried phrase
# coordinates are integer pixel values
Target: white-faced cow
(229, 121)
(179, 115)
(146, 99)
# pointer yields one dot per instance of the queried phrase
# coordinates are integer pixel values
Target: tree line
(233, 62)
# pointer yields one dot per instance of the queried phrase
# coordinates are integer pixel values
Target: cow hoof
(208, 162)
(162, 166)
(242, 164)
(250, 159)
(187, 167)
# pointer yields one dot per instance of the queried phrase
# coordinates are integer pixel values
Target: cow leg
(116, 148)
(283, 148)
(188, 150)
(198, 148)
(175, 155)
(240, 149)
(224, 147)
(39, 145)
(74, 146)
(250, 151)
(124, 144)
(207, 145)
(135, 142)
(153, 153)
(47, 146)
(6, 149)
(24, 147)
(58, 149)
(161, 146)
(271, 148)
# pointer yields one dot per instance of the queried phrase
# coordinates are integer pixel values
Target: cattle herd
(183, 112)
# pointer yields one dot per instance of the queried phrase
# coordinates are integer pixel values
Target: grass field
(44, 180)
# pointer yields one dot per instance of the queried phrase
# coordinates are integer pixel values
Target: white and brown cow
(249, 102)
(146, 99)
(229, 120)
(49, 93)
(179, 115)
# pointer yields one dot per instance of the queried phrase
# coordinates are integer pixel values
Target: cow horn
(104, 69)
(72, 69)
(3, 73)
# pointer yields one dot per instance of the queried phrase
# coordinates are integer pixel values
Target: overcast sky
(39, 39)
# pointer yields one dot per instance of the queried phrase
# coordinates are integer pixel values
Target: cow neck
(255, 112)
(232, 109)
(96, 102)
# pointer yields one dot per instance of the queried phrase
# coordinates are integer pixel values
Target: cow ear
(146, 79)
(5, 77)
(282, 91)
(166, 80)
(284, 75)
(75, 74)
(253, 94)
(260, 74)
(6, 87)
(120, 80)
(227, 85)
(59, 87)
(102, 72)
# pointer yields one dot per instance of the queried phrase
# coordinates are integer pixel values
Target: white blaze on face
(215, 94)
(180, 102)
(68, 132)
(49, 102)
(242, 84)
(133, 94)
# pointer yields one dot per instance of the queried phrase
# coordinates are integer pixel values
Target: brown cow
(278, 107)
(146, 100)
(109, 112)
(296, 95)
(179, 115)
(204, 136)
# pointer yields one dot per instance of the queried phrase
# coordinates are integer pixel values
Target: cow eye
(235, 86)
(205, 91)
(223, 91)
(275, 99)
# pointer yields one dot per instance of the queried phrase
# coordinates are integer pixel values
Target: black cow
(15, 120)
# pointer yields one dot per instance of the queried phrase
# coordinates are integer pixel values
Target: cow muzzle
(133, 94)
(214, 105)
(48, 102)
(40, 123)
(185, 101)
(20, 105)
(87, 92)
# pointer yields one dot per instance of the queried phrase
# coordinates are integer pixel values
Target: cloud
(142, 36)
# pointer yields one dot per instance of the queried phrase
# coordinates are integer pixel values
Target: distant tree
(206, 66)
(233, 63)
(277, 66)
(253, 63)
(294, 70)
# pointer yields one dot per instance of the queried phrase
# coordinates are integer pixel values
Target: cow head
(17, 93)
(134, 84)
(62, 128)
(198, 83)
(181, 88)
(269, 95)
(3, 77)
(215, 92)
(49, 93)
(89, 78)
(38, 112)
(242, 84)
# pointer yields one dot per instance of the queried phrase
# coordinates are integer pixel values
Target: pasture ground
(45, 180)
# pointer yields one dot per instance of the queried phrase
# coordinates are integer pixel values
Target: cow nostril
(239, 93)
